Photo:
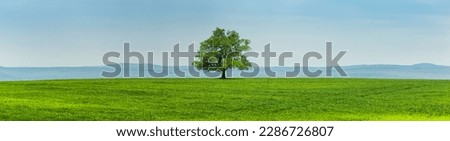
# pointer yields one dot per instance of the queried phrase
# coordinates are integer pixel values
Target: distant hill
(417, 71)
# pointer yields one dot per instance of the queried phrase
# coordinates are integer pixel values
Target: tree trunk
(223, 74)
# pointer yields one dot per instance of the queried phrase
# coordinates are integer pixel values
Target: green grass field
(242, 99)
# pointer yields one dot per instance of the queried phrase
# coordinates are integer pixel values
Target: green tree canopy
(222, 51)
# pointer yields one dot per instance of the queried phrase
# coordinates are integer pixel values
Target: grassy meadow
(242, 99)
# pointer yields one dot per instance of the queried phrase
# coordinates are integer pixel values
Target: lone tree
(223, 51)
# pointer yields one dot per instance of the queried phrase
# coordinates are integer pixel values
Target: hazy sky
(79, 32)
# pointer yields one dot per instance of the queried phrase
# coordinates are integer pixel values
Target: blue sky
(79, 32)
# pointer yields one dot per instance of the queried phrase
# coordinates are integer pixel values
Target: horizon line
(191, 65)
